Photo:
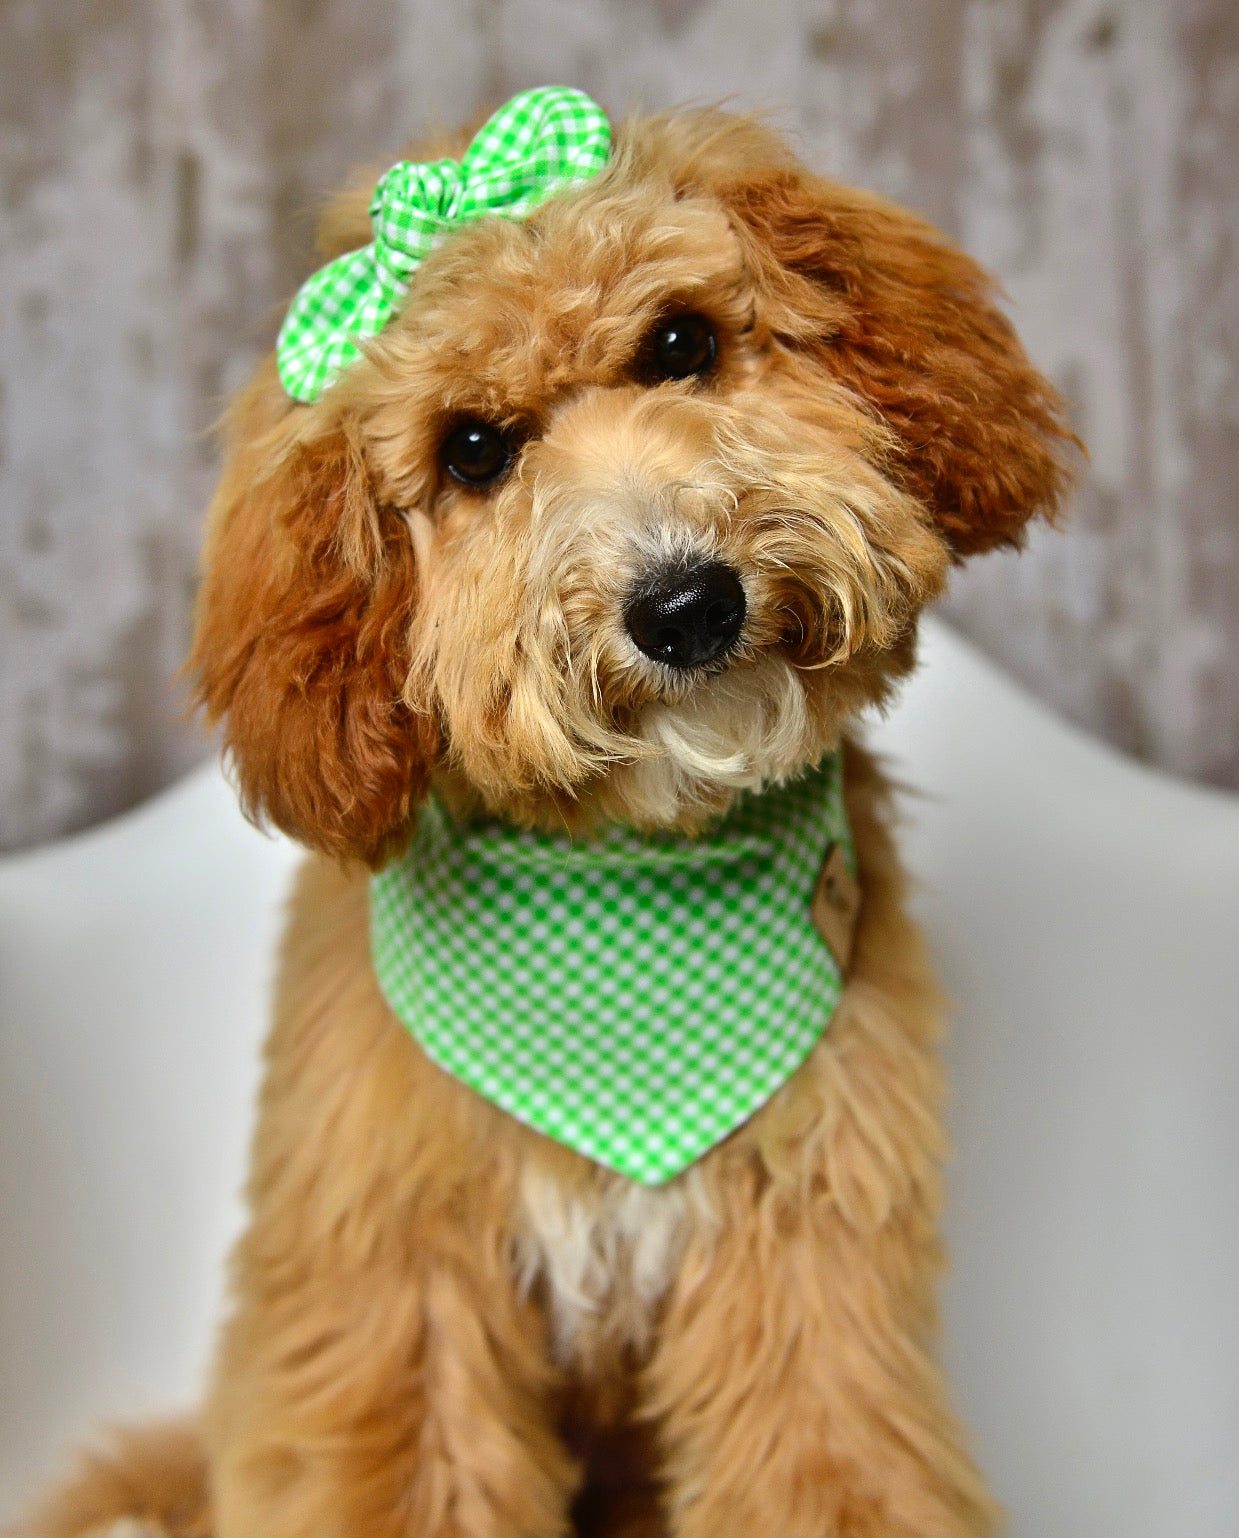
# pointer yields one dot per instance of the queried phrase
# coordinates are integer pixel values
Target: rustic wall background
(160, 161)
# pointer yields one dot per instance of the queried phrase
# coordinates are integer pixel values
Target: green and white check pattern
(635, 997)
(541, 141)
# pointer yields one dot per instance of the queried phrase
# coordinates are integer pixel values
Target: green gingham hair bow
(541, 141)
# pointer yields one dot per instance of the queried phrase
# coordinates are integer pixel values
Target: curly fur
(442, 1324)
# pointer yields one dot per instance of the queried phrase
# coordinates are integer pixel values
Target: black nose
(688, 615)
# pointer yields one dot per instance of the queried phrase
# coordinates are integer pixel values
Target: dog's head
(629, 508)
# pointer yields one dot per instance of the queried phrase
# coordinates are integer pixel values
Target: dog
(621, 520)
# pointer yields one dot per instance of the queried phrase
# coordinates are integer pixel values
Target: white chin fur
(739, 731)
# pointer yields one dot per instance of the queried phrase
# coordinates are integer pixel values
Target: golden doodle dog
(613, 515)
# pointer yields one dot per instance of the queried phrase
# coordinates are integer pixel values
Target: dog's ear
(885, 305)
(302, 639)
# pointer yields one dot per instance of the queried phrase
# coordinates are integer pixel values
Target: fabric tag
(836, 904)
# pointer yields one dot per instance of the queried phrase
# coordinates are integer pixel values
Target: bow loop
(540, 142)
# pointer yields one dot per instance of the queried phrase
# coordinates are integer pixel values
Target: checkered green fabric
(636, 997)
(543, 140)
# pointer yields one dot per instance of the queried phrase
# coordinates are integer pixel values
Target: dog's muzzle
(687, 616)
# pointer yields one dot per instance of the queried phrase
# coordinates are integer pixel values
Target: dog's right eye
(679, 347)
(476, 453)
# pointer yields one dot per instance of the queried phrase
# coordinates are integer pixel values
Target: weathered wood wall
(160, 160)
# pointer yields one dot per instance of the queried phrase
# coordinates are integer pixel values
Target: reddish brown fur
(403, 1357)
(909, 323)
(303, 621)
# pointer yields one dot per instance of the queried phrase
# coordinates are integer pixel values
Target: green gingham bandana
(635, 997)
(543, 140)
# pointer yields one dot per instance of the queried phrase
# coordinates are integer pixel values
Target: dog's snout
(688, 615)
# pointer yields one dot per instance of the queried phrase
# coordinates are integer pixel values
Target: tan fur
(443, 1325)
(152, 1479)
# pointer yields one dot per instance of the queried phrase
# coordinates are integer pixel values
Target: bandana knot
(539, 143)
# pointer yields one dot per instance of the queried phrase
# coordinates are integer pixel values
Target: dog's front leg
(388, 1405)
(794, 1394)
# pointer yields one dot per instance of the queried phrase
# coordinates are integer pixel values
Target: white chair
(1085, 917)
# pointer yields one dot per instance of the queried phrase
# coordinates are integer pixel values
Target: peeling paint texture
(160, 162)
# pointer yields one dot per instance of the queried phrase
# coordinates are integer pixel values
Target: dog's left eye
(476, 453)
(680, 346)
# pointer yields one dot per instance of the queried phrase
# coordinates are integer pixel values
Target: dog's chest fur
(604, 1256)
